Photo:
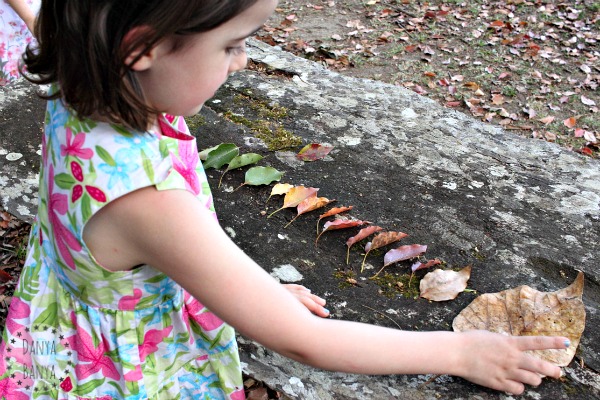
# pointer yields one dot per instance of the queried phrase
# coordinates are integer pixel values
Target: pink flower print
(135, 375)
(151, 339)
(18, 310)
(128, 303)
(91, 359)
(10, 387)
(194, 310)
(75, 147)
(77, 191)
(64, 238)
(186, 164)
(238, 395)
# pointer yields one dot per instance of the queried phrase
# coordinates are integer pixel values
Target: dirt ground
(530, 66)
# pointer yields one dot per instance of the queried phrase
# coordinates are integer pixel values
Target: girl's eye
(236, 51)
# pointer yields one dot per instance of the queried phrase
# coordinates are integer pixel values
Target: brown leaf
(523, 311)
(442, 285)
(381, 240)
(384, 239)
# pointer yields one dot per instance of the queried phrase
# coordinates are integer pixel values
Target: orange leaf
(570, 122)
(310, 204)
(295, 196)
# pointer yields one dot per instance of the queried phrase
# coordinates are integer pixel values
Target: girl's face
(180, 82)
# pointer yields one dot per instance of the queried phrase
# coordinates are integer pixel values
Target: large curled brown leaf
(523, 311)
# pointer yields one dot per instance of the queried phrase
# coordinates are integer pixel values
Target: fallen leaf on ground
(443, 285)
(310, 204)
(333, 211)
(523, 311)
(363, 233)
(280, 188)
(381, 240)
(313, 152)
(401, 253)
(340, 223)
(295, 196)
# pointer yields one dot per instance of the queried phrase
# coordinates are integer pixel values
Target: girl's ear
(139, 57)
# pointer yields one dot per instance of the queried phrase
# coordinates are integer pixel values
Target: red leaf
(363, 233)
(313, 152)
(340, 223)
(419, 265)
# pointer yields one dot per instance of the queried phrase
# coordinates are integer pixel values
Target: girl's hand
(313, 302)
(500, 362)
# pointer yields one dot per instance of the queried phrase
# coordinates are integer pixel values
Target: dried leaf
(400, 254)
(363, 233)
(443, 285)
(523, 311)
(587, 102)
(280, 188)
(295, 196)
(333, 211)
(313, 152)
(340, 223)
(403, 253)
(546, 120)
(570, 122)
(420, 265)
(381, 240)
(309, 204)
(384, 239)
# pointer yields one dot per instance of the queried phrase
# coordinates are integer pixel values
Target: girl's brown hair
(80, 47)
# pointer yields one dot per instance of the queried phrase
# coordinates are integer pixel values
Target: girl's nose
(238, 63)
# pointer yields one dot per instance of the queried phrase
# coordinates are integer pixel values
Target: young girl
(127, 257)
(17, 18)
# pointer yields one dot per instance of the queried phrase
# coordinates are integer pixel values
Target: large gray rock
(519, 211)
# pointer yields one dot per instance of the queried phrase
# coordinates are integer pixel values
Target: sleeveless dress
(78, 331)
(14, 38)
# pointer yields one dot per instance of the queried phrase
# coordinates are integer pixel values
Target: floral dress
(78, 331)
(14, 37)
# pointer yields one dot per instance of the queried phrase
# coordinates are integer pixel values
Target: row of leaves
(304, 199)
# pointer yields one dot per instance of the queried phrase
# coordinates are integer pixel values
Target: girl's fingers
(542, 342)
(313, 303)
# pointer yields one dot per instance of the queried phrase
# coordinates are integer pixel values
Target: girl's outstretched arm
(174, 233)
(23, 10)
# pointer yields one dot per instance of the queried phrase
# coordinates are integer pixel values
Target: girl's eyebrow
(250, 34)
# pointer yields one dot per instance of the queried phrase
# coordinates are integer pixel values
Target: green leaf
(86, 207)
(64, 181)
(48, 316)
(204, 153)
(262, 176)
(105, 156)
(88, 387)
(148, 166)
(243, 160)
(220, 156)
